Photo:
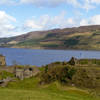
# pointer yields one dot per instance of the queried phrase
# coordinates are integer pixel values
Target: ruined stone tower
(2, 60)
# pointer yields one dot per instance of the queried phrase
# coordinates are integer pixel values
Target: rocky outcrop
(2, 60)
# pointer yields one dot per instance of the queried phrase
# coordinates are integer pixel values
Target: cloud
(40, 3)
(46, 22)
(7, 2)
(83, 4)
(95, 1)
(88, 5)
(50, 3)
(6, 24)
(94, 20)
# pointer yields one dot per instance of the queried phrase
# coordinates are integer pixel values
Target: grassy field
(12, 94)
(56, 81)
(28, 89)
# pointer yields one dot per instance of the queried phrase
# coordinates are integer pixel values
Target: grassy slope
(86, 41)
(29, 90)
(85, 38)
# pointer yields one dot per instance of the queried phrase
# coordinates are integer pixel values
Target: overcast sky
(21, 16)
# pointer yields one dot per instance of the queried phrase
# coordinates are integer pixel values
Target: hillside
(84, 37)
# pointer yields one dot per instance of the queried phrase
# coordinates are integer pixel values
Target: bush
(71, 73)
(59, 73)
(85, 78)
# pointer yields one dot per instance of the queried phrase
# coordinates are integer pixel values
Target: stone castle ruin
(2, 60)
(26, 72)
(18, 71)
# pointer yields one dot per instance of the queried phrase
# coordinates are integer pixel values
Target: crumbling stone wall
(73, 61)
(2, 60)
(19, 73)
(26, 72)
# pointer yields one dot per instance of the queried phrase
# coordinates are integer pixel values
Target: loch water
(43, 57)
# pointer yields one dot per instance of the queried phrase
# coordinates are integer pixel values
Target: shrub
(59, 73)
(85, 78)
(71, 73)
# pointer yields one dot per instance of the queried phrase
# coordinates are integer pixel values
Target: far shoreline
(52, 49)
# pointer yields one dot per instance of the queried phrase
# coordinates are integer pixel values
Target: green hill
(85, 38)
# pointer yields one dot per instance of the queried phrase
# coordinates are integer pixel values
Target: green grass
(9, 94)
(31, 42)
(4, 75)
(50, 93)
(29, 84)
(28, 89)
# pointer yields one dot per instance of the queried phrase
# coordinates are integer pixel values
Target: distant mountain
(84, 37)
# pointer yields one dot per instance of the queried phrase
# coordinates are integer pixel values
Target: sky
(21, 16)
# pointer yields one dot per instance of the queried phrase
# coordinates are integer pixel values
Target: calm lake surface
(43, 57)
